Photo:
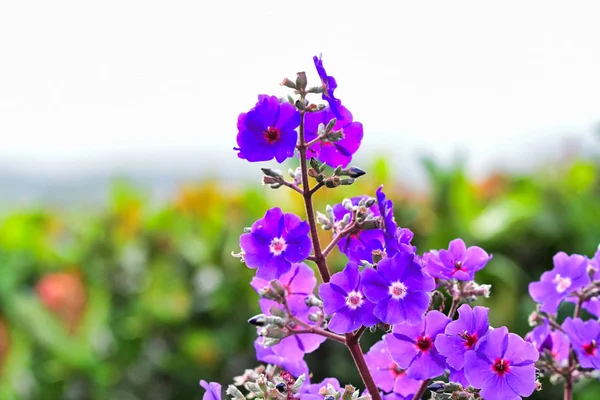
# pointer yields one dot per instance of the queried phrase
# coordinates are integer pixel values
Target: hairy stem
(453, 308)
(421, 390)
(322, 332)
(353, 344)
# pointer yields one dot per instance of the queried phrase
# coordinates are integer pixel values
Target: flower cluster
(386, 284)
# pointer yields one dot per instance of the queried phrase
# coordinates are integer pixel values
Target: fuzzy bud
(258, 320)
(288, 83)
(277, 287)
(298, 384)
(333, 182)
(272, 172)
(313, 301)
(347, 203)
(301, 81)
(234, 393)
(349, 391)
(330, 125)
(254, 388)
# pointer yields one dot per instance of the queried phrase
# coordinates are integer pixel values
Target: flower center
(562, 284)
(354, 300)
(424, 343)
(590, 348)
(458, 266)
(272, 134)
(277, 246)
(396, 370)
(397, 290)
(470, 339)
(500, 366)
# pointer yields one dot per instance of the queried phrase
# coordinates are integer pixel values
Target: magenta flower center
(397, 290)
(354, 300)
(458, 266)
(470, 339)
(590, 348)
(562, 284)
(272, 134)
(500, 366)
(424, 343)
(396, 370)
(277, 246)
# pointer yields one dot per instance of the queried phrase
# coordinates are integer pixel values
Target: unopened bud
(300, 105)
(298, 384)
(437, 386)
(347, 203)
(314, 317)
(333, 182)
(314, 163)
(273, 332)
(347, 182)
(273, 393)
(354, 172)
(538, 386)
(281, 387)
(269, 341)
(288, 83)
(370, 224)
(313, 173)
(370, 202)
(330, 125)
(271, 172)
(346, 220)
(234, 393)
(348, 392)
(316, 89)
(377, 255)
(313, 301)
(365, 264)
(277, 287)
(253, 387)
(338, 170)
(301, 81)
(268, 180)
(277, 311)
(258, 320)
(269, 293)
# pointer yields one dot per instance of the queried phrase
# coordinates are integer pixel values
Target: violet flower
(395, 238)
(399, 289)
(568, 275)
(388, 376)
(412, 346)
(343, 298)
(213, 390)
(458, 262)
(329, 86)
(267, 131)
(584, 337)
(275, 242)
(502, 366)
(458, 376)
(296, 367)
(333, 153)
(463, 334)
(317, 391)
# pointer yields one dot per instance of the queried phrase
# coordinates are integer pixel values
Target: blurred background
(121, 198)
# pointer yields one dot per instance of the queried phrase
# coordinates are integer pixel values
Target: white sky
(89, 85)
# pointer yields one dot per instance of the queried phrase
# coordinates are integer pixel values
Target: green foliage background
(154, 301)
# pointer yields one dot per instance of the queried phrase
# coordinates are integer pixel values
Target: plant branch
(322, 332)
(353, 344)
(421, 390)
(291, 185)
(348, 230)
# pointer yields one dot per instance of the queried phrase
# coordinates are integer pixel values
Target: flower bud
(301, 81)
(370, 202)
(349, 391)
(300, 105)
(377, 255)
(254, 388)
(234, 393)
(269, 293)
(354, 172)
(314, 317)
(288, 83)
(277, 287)
(333, 182)
(347, 205)
(348, 181)
(312, 301)
(277, 312)
(330, 125)
(258, 320)
(269, 180)
(262, 382)
(316, 89)
(271, 172)
(370, 224)
(437, 386)
(313, 173)
(268, 341)
(272, 331)
(365, 264)
(281, 387)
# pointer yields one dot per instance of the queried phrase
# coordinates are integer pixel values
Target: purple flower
(458, 376)
(343, 298)
(275, 242)
(359, 246)
(458, 262)
(398, 287)
(560, 347)
(502, 366)
(317, 391)
(397, 396)
(568, 275)
(540, 335)
(396, 239)
(463, 334)
(333, 153)
(412, 346)
(329, 86)
(267, 131)
(584, 337)
(388, 376)
(298, 282)
(213, 390)
(267, 355)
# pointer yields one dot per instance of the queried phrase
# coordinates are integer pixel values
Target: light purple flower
(395, 238)
(267, 131)
(463, 334)
(333, 153)
(502, 366)
(584, 337)
(317, 391)
(343, 298)
(267, 355)
(275, 242)
(540, 335)
(568, 275)
(298, 282)
(458, 262)
(412, 347)
(329, 85)
(213, 390)
(458, 376)
(399, 289)
(388, 376)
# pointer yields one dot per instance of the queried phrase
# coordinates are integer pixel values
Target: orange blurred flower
(64, 295)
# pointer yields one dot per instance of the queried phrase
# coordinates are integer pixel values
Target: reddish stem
(322, 332)
(353, 344)
(421, 390)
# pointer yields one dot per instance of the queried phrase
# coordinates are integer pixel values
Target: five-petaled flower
(399, 288)
(585, 339)
(344, 299)
(318, 391)
(267, 131)
(388, 376)
(502, 366)
(412, 347)
(568, 275)
(275, 242)
(458, 262)
(329, 86)
(463, 334)
(213, 390)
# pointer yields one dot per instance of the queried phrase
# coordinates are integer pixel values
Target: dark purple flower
(333, 153)
(298, 282)
(317, 391)
(502, 366)
(568, 275)
(396, 239)
(399, 289)
(412, 346)
(275, 242)
(213, 390)
(540, 336)
(267, 355)
(359, 246)
(463, 334)
(584, 337)
(329, 86)
(388, 376)
(458, 262)
(267, 131)
(344, 299)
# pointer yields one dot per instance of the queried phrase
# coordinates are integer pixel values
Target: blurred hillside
(131, 298)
